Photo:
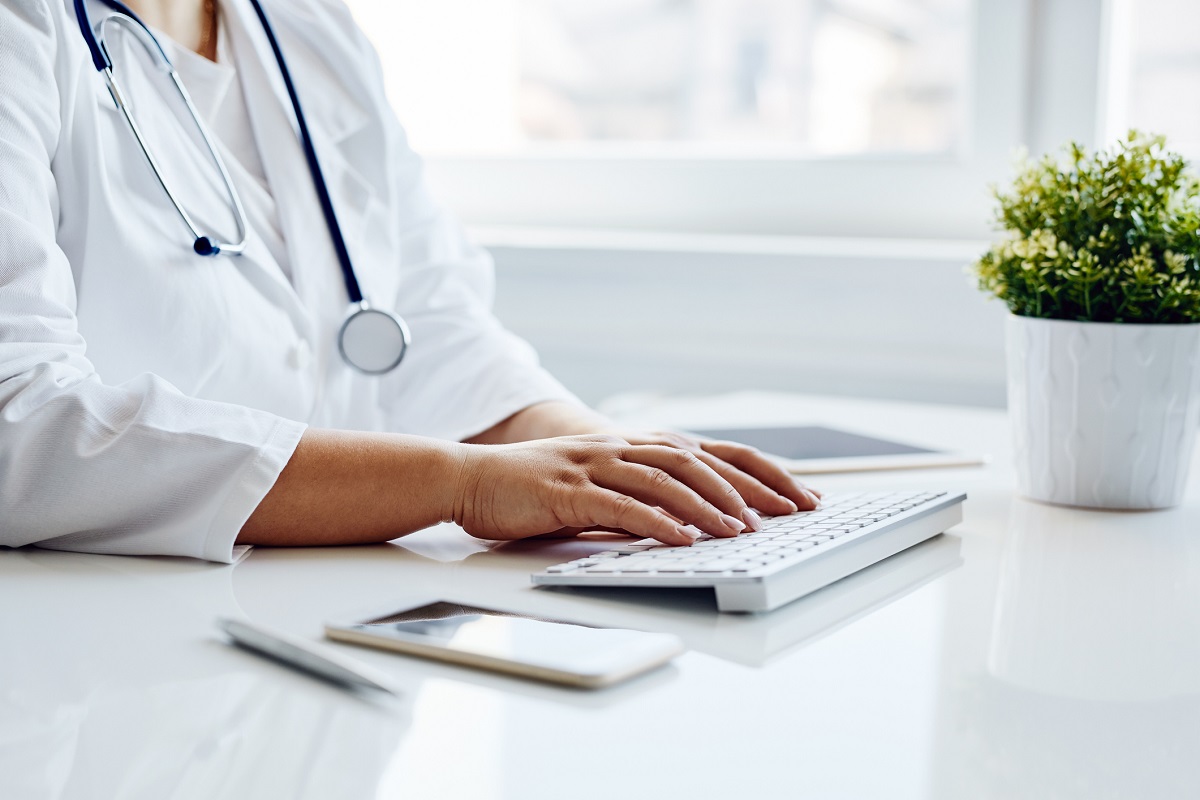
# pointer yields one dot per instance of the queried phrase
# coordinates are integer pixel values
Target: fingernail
(753, 521)
(791, 503)
(733, 523)
(807, 490)
(816, 501)
(691, 532)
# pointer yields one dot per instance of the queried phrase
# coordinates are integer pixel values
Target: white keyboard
(790, 557)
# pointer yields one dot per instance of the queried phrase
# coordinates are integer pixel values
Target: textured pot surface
(1104, 415)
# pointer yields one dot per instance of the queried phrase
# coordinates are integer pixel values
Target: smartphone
(515, 644)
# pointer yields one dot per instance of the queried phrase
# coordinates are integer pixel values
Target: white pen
(303, 655)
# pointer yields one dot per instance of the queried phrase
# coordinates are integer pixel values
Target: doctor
(180, 366)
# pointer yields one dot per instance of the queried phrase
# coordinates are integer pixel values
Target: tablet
(812, 449)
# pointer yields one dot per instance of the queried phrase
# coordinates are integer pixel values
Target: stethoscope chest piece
(371, 340)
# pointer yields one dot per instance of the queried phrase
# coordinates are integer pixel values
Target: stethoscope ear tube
(125, 18)
(100, 58)
(372, 341)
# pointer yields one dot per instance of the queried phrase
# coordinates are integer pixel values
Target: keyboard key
(719, 565)
(632, 548)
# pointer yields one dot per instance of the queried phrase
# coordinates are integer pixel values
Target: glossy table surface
(1033, 651)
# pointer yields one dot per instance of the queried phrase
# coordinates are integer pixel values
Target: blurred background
(693, 196)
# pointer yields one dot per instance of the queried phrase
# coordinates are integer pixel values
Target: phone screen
(478, 630)
(503, 635)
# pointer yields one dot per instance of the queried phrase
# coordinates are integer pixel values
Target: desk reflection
(1090, 688)
(1099, 605)
(156, 707)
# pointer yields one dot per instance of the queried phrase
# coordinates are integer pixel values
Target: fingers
(766, 472)
(615, 510)
(656, 487)
(752, 490)
(687, 468)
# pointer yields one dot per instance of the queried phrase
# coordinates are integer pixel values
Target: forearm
(342, 487)
(545, 421)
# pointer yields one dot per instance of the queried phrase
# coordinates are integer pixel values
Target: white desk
(1033, 652)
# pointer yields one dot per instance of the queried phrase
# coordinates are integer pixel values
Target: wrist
(455, 479)
(544, 421)
(560, 418)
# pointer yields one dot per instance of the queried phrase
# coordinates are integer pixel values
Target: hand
(761, 482)
(577, 483)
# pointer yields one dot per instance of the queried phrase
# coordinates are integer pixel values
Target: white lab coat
(149, 397)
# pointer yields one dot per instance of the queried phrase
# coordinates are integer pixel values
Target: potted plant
(1101, 271)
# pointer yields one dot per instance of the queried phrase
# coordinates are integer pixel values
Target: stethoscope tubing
(205, 246)
(123, 16)
(314, 165)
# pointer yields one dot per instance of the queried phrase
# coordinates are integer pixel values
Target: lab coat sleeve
(473, 372)
(136, 468)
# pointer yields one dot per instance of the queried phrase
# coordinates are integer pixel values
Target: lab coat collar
(323, 94)
(207, 83)
(278, 146)
(315, 276)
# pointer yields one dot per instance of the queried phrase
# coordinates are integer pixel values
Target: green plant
(1108, 237)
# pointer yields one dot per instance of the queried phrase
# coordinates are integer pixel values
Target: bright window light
(814, 77)
(1163, 91)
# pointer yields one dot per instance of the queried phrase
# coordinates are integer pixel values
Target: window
(1159, 90)
(807, 117)
(845, 76)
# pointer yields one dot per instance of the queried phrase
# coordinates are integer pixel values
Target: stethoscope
(370, 340)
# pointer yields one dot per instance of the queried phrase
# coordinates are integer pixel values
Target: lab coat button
(299, 356)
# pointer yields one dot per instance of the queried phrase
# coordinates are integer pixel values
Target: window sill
(833, 248)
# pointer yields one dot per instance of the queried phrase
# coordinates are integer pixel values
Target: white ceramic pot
(1104, 415)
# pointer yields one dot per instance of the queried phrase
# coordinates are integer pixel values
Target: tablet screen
(813, 441)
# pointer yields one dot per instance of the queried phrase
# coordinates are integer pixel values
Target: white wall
(875, 318)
